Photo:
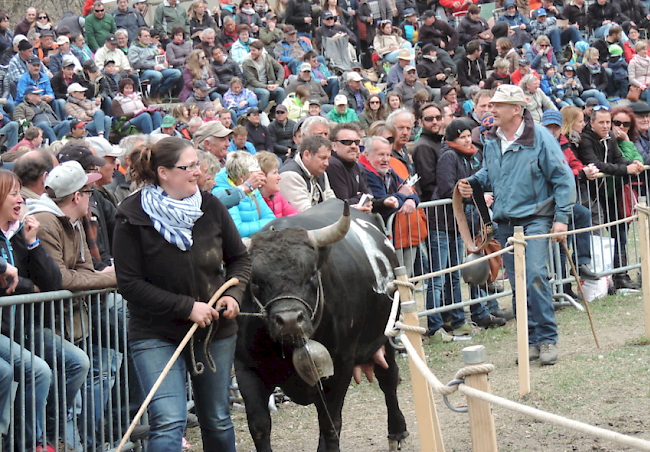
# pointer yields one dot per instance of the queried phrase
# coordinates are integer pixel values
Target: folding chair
(336, 53)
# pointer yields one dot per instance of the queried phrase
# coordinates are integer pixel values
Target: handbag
(633, 93)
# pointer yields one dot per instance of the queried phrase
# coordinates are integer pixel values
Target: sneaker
(533, 354)
(490, 321)
(505, 314)
(464, 330)
(547, 354)
(625, 282)
(441, 336)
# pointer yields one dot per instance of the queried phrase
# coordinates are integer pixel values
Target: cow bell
(313, 362)
(476, 274)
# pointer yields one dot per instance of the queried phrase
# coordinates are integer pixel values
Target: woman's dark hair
(177, 30)
(309, 54)
(4, 15)
(146, 159)
(633, 133)
(373, 115)
(7, 181)
(125, 81)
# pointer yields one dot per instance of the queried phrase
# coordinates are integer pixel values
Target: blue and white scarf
(174, 219)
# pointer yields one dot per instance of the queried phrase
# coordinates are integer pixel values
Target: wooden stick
(231, 282)
(644, 243)
(582, 292)
(521, 300)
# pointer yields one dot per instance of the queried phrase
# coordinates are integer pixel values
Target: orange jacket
(410, 230)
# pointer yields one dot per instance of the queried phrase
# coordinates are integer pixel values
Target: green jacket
(274, 73)
(348, 116)
(97, 30)
(629, 151)
(167, 17)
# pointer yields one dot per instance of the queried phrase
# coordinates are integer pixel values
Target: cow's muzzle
(290, 323)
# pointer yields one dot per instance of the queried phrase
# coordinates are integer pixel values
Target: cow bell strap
(487, 229)
(320, 300)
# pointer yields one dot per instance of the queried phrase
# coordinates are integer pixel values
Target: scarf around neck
(593, 68)
(467, 152)
(172, 218)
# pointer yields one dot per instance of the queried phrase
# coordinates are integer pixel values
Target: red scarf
(467, 152)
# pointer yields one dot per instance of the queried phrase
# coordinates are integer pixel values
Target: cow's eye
(256, 289)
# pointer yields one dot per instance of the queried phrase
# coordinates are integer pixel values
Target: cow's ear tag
(313, 362)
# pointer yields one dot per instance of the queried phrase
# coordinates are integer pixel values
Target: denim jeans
(571, 34)
(54, 133)
(332, 88)
(168, 408)
(11, 130)
(71, 370)
(445, 252)
(264, 95)
(58, 106)
(147, 122)
(600, 96)
(100, 123)
(161, 81)
(391, 57)
(35, 390)
(542, 328)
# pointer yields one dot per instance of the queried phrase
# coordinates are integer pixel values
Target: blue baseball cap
(552, 117)
(540, 12)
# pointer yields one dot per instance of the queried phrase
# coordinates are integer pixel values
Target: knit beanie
(454, 129)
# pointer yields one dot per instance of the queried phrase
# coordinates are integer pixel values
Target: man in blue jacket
(533, 187)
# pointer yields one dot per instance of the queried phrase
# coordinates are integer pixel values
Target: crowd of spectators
(276, 131)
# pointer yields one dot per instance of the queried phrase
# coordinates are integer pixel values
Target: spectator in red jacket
(270, 191)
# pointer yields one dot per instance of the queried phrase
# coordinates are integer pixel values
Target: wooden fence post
(481, 420)
(521, 298)
(425, 408)
(644, 242)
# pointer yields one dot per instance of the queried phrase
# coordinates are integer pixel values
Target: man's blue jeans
(161, 81)
(600, 96)
(558, 39)
(100, 123)
(11, 130)
(53, 133)
(168, 408)
(58, 106)
(332, 88)
(264, 95)
(34, 391)
(147, 122)
(542, 328)
(445, 252)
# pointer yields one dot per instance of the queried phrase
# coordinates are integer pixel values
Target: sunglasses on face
(431, 118)
(99, 10)
(621, 123)
(375, 102)
(349, 142)
(44, 17)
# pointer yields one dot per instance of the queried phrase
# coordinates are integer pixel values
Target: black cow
(288, 263)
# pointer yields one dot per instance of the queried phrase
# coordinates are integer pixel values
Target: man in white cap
(305, 79)
(341, 112)
(356, 93)
(409, 86)
(539, 199)
(396, 73)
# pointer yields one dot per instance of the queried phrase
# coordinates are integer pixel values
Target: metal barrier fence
(73, 383)
(614, 253)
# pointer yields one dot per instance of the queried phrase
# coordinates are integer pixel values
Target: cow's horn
(333, 233)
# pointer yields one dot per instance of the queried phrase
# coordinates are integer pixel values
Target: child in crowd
(297, 103)
(618, 65)
(209, 112)
(468, 105)
(572, 86)
(192, 111)
(238, 99)
(181, 114)
(500, 76)
(112, 77)
(552, 85)
(580, 49)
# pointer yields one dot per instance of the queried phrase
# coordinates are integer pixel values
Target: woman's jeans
(168, 408)
(391, 57)
(600, 96)
(147, 122)
(35, 390)
(100, 123)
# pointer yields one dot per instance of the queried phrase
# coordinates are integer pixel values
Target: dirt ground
(606, 387)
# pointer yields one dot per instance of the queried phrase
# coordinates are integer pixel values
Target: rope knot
(512, 241)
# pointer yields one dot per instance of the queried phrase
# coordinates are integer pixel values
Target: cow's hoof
(396, 440)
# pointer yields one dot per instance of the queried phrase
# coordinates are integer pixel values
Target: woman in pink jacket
(269, 164)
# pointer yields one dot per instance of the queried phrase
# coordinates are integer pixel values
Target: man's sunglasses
(431, 118)
(349, 142)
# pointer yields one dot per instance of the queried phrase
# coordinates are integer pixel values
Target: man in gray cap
(305, 79)
(409, 86)
(539, 201)
(199, 95)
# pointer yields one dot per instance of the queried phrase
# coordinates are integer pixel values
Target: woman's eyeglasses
(622, 123)
(189, 167)
(375, 102)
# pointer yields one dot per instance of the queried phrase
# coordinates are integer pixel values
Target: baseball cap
(77, 123)
(62, 40)
(281, 107)
(34, 60)
(24, 45)
(540, 12)
(63, 30)
(75, 88)
(552, 117)
(90, 66)
(569, 67)
(354, 77)
(524, 62)
(408, 68)
(104, 148)
(111, 38)
(81, 154)
(252, 110)
(32, 90)
(314, 102)
(340, 99)
(168, 121)
(409, 12)
(327, 14)
(510, 3)
(45, 33)
(591, 102)
(305, 67)
(271, 15)
(289, 29)
(640, 108)
(68, 178)
(211, 129)
(509, 94)
(201, 85)
(138, 1)
(67, 62)
(429, 13)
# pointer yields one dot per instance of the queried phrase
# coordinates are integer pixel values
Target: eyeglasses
(601, 107)
(280, 112)
(189, 167)
(86, 192)
(375, 102)
(621, 123)
(349, 142)
(431, 118)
